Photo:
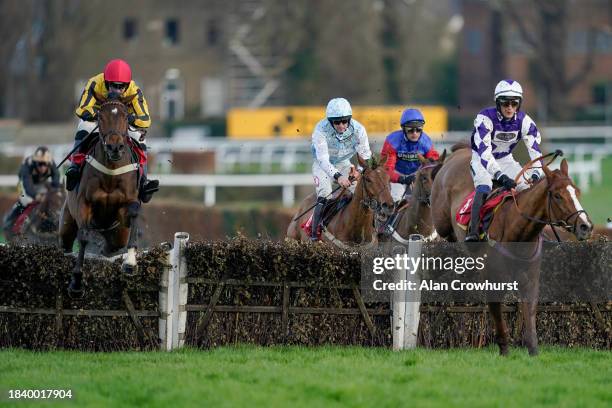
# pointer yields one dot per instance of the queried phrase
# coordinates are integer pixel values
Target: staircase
(251, 81)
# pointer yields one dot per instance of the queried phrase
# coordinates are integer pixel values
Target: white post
(209, 195)
(165, 317)
(173, 296)
(413, 297)
(179, 289)
(288, 195)
(406, 303)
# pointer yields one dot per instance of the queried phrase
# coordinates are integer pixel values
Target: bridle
(371, 203)
(103, 135)
(553, 223)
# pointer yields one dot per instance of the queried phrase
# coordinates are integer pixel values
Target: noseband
(371, 202)
(103, 135)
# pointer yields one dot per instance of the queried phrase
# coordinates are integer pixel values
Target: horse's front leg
(75, 288)
(129, 265)
(501, 330)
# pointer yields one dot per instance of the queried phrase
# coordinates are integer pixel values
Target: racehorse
(551, 200)
(415, 214)
(39, 224)
(355, 222)
(106, 200)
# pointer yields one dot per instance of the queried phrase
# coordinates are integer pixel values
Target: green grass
(315, 377)
(598, 201)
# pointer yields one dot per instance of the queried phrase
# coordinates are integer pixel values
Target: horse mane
(374, 162)
(461, 145)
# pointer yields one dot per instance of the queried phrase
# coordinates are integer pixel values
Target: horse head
(424, 177)
(563, 207)
(45, 217)
(113, 123)
(375, 184)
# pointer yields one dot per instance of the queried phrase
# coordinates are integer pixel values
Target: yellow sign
(299, 121)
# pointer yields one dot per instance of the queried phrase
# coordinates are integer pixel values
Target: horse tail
(461, 145)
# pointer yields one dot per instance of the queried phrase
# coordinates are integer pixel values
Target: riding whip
(75, 148)
(351, 178)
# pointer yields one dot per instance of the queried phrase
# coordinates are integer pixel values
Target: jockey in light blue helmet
(335, 140)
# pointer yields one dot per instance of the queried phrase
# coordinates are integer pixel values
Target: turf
(598, 201)
(327, 376)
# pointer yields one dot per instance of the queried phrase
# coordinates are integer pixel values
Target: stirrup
(147, 189)
(73, 175)
(472, 237)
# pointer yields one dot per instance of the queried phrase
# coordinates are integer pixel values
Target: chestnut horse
(551, 200)
(415, 214)
(106, 200)
(354, 224)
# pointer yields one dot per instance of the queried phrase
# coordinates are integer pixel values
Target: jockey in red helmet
(116, 78)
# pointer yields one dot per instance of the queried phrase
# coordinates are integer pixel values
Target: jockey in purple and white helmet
(497, 130)
(335, 140)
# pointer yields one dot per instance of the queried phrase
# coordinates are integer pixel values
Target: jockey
(335, 140)
(402, 149)
(497, 130)
(116, 78)
(33, 173)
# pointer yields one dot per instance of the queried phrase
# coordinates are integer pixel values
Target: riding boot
(147, 187)
(11, 217)
(474, 233)
(73, 172)
(316, 218)
(389, 226)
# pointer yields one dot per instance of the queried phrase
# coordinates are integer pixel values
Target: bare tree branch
(510, 8)
(587, 64)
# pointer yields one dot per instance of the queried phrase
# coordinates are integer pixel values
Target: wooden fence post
(407, 303)
(173, 296)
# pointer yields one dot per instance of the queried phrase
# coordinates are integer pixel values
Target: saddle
(487, 211)
(21, 219)
(332, 207)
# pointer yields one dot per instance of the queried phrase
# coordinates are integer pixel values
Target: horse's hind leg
(501, 330)
(68, 230)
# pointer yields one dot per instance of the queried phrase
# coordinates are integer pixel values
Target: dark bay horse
(106, 200)
(354, 224)
(554, 199)
(415, 214)
(42, 221)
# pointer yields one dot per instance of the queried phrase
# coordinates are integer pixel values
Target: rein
(558, 223)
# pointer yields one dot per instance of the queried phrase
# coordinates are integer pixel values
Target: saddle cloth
(22, 218)
(487, 210)
(332, 207)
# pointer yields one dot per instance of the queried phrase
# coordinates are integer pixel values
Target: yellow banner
(299, 121)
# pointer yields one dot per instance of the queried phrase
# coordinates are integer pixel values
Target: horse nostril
(584, 227)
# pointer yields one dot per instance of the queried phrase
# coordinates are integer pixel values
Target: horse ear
(126, 100)
(547, 171)
(564, 168)
(363, 163)
(442, 158)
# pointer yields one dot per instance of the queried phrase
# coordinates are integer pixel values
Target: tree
(546, 34)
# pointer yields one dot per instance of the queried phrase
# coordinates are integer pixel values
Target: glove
(506, 182)
(406, 179)
(131, 118)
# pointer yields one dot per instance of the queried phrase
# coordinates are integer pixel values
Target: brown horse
(553, 199)
(354, 224)
(41, 224)
(106, 201)
(415, 214)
